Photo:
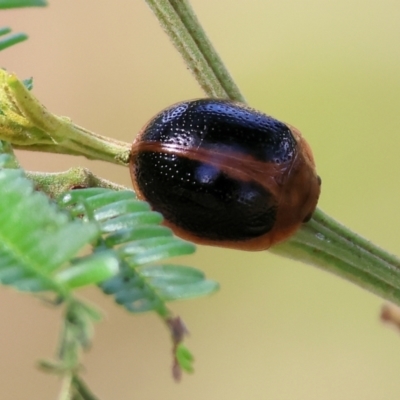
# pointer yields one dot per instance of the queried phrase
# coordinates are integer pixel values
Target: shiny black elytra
(224, 174)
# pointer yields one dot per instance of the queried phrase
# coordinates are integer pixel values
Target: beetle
(224, 174)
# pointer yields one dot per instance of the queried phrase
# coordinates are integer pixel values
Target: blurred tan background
(277, 329)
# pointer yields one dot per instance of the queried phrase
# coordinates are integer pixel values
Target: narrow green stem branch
(28, 125)
(6, 148)
(66, 387)
(54, 184)
(82, 389)
(204, 45)
(181, 25)
(325, 243)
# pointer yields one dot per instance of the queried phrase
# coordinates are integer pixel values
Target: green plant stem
(75, 336)
(66, 387)
(54, 184)
(6, 148)
(181, 25)
(325, 243)
(28, 125)
(82, 389)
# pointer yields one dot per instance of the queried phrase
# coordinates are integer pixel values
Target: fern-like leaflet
(11, 39)
(37, 241)
(134, 233)
(22, 3)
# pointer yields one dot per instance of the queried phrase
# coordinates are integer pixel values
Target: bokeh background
(278, 329)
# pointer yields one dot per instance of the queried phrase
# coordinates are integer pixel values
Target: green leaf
(37, 239)
(175, 282)
(28, 83)
(184, 358)
(12, 39)
(141, 232)
(4, 30)
(93, 198)
(93, 269)
(22, 3)
(154, 249)
(79, 318)
(149, 286)
(76, 335)
(132, 292)
(121, 207)
(134, 233)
